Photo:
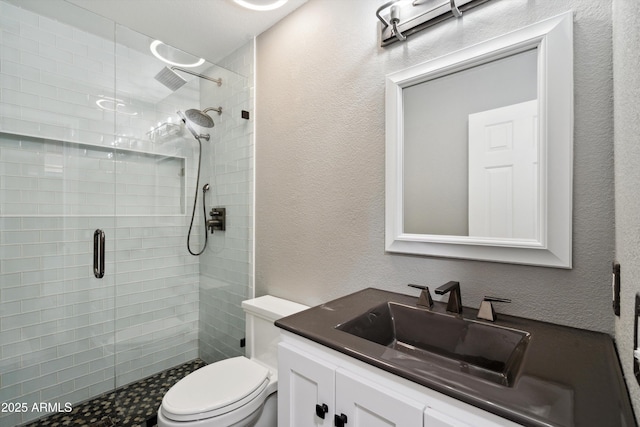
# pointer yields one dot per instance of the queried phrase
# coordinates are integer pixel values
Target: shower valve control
(218, 219)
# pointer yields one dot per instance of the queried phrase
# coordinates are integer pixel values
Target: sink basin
(486, 351)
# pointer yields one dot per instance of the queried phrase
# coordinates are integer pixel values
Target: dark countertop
(568, 377)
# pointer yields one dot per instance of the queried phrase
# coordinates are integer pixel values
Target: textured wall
(626, 62)
(320, 161)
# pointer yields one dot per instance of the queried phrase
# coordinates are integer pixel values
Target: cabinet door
(459, 415)
(304, 382)
(433, 418)
(367, 404)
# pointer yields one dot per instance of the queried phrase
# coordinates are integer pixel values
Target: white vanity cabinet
(304, 383)
(367, 404)
(312, 378)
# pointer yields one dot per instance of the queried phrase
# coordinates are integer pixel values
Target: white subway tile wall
(49, 177)
(225, 268)
(66, 336)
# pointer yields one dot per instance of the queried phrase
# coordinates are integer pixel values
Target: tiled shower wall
(225, 267)
(62, 331)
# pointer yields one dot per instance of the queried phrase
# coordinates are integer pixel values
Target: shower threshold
(133, 405)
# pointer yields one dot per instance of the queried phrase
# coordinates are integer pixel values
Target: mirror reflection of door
(436, 153)
(504, 172)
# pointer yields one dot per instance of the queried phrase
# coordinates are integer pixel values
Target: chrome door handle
(98, 254)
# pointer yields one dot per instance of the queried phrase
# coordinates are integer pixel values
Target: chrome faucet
(455, 299)
(486, 310)
(425, 299)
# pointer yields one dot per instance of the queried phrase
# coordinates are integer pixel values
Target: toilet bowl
(236, 392)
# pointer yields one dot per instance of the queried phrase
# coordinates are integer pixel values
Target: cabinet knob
(340, 420)
(321, 410)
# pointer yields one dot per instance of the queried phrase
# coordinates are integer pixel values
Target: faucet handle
(425, 299)
(454, 305)
(486, 310)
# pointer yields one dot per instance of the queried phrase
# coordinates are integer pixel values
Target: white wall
(626, 44)
(320, 161)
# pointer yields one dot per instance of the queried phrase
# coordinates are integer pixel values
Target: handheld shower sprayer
(201, 119)
(187, 123)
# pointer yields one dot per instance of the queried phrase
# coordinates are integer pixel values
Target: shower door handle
(98, 254)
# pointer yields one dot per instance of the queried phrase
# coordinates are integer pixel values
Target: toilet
(236, 392)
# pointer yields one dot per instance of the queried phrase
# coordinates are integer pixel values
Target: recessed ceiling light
(113, 104)
(154, 49)
(261, 5)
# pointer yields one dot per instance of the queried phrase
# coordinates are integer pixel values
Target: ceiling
(211, 29)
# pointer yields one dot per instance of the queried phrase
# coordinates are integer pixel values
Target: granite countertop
(568, 377)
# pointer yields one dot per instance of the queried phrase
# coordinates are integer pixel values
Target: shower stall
(94, 155)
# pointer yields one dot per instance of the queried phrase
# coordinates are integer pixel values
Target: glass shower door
(57, 187)
(90, 146)
(156, 291)
(57, 316)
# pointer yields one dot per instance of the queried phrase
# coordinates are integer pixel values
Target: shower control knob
(218, 219)
(321, 410)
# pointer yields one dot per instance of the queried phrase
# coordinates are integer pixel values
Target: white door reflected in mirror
(503, 172)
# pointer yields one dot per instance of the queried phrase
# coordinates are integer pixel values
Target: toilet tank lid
(271, 307)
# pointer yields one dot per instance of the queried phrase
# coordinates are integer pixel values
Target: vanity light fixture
(261, 5)
(154, 49)
(408, 17)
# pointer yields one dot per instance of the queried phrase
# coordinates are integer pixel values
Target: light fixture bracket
(400, 19)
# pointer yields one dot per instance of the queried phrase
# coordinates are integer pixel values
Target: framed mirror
(479, 150)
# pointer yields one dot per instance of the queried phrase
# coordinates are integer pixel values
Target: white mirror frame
(553, 39)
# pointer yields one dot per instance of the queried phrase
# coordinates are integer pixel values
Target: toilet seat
(215, 390)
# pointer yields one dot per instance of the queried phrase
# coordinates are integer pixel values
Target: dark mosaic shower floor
(133, 405)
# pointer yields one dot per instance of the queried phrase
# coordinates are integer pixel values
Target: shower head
(200, 117)
(192, 130)
(170, 79)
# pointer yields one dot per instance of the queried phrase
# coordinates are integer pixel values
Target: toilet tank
(262, 336)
